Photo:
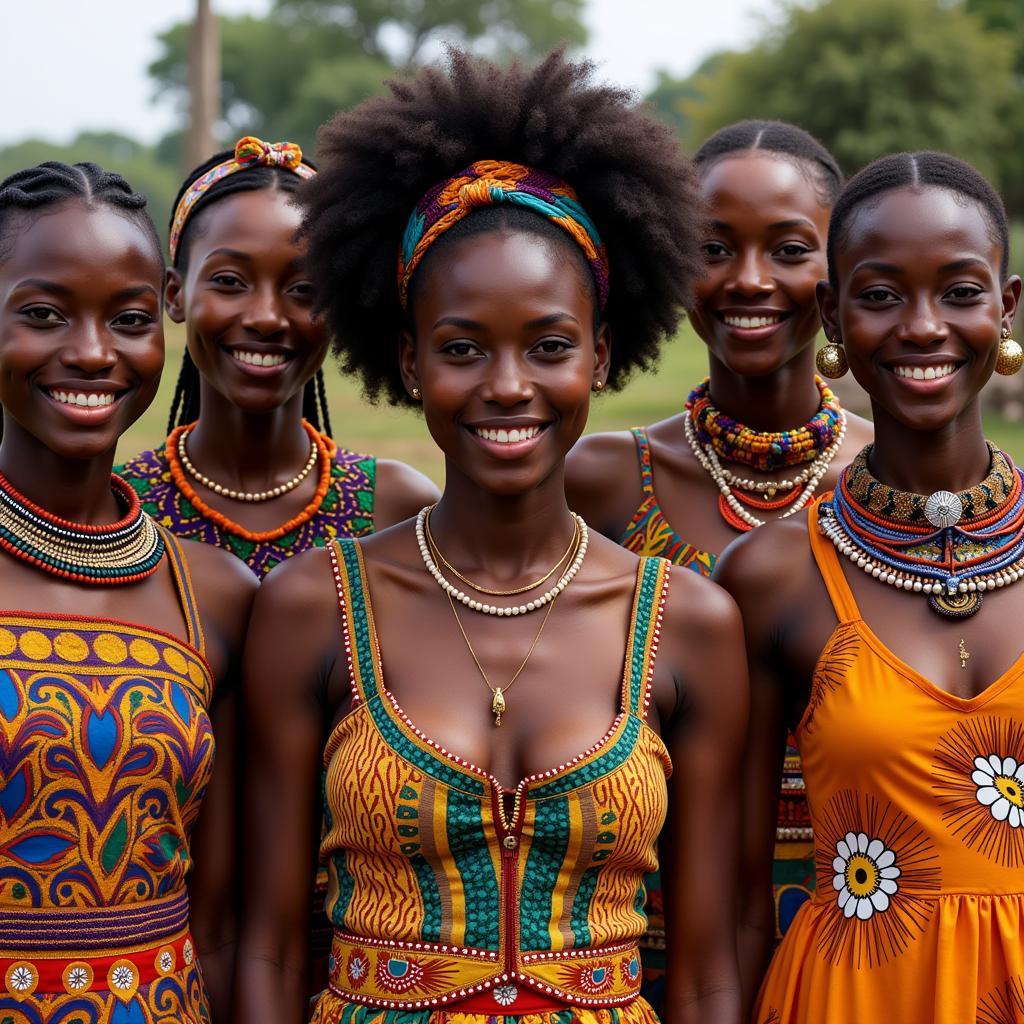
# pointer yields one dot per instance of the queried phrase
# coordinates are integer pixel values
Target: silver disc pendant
(943, 509)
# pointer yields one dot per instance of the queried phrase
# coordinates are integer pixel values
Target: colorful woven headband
(249, 152)
(486, 183)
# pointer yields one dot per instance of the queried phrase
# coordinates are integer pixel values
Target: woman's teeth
(507, 436)
(91, 399)
(751, 321)
(924, 372)
(258, 358)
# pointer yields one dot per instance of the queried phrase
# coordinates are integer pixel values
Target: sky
(72, 65)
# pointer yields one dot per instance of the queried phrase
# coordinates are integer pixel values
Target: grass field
(400, 434)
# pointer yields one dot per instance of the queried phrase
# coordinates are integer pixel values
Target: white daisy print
(166, 961)
(1000, 783)
(77, 979)
(187, 952)
(865, 875)
(506, 995)
(122, 977)
(21, 978)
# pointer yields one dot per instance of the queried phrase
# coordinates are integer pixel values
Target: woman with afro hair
(494, 245)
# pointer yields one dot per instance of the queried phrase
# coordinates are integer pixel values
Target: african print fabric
(106, 750)
(346, 510)
(917, 803)
(437, 895)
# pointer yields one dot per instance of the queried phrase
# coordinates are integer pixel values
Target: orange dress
(917, 802)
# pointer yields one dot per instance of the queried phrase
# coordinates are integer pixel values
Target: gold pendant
(498, 705)
(964, 653)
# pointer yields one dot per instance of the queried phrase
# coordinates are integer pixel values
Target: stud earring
(415, 392)
(597, 387)
(831, 360)
(1011, 355)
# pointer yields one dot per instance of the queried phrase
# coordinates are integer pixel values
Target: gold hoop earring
(1011, 355)
(597, 387)
(415, 392)
(831, 360)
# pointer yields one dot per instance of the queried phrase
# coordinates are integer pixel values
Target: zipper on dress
(509, 835)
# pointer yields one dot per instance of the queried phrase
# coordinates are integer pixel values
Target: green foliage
(139, 164)
(284, 74)
(873, 77)
(671, 97)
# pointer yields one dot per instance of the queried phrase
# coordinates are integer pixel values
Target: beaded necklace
(713, 437)
(326, 455)
(766, 451)
(122, 552)
(950, 547)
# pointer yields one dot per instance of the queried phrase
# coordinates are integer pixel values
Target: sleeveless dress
(346, 510)
(649, 533)
(916, 799)
(444, 905)
(106, 750)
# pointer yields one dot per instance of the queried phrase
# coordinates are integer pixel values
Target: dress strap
(643, 451)
(652, 578)
(186, 592)
(358, 630)
(830, 567)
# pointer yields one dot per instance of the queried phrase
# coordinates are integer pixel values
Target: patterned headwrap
(249, 152)
(489, 182)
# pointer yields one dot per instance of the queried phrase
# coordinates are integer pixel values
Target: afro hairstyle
(377, 161)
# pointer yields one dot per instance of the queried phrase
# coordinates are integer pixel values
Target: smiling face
(764, 255)
(920, 303)
(505, 354)
(247, 302)
(81, 334)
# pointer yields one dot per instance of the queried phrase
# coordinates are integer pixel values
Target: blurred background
(152, 89)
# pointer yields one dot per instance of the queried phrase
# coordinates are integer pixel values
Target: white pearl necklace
(725, 481)
(253, 496)
(489, 609)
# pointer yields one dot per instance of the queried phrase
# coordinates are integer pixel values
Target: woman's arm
(225, 590)
(758, 571)
(293, 638)
(704, 738)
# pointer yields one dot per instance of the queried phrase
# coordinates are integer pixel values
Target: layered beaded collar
(123, 552)
(949, 547)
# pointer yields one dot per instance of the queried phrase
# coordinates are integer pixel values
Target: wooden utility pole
(203, 85)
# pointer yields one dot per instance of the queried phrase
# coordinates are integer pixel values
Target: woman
(249, 465)
(453, 888)
(118, 653)
(761, 434)
(882, 627)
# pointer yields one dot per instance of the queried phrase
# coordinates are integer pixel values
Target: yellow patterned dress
(445, 906)
(105, 753)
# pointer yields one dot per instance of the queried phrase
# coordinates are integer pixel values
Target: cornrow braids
(250, 179)
(379, 159)
(926, 169)
(50, 183)
(778, 137)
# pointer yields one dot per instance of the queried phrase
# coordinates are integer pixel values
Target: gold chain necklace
(573, 544)
(498, 702)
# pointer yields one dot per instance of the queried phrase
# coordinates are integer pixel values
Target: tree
(285, 73)
(672, 97)
(873, 77)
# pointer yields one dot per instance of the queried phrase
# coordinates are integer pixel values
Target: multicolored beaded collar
(766, 451)
(950, 547)
(123, 552)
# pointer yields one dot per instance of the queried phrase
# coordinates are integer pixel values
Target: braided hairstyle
(48, 184)
(185, 403)
(776, 137)
(926, 169)
(381, 157)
